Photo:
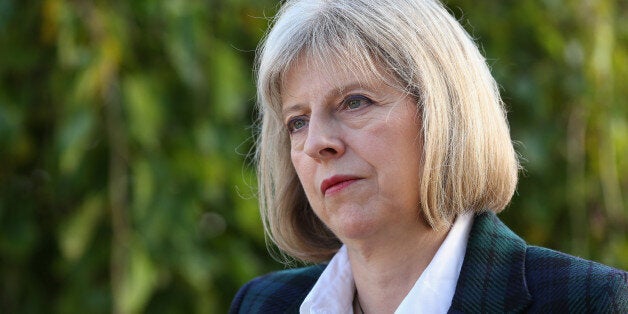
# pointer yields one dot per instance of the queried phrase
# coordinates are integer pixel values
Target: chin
(355, 227)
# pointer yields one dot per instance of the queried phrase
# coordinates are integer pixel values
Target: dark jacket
(500, 273)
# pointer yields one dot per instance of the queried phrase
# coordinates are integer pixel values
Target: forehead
(310, 72)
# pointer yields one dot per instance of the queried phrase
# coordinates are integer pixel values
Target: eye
(356, 101)
(296, 123)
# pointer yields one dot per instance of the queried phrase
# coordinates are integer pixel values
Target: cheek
(297, 161)
(296, 142)
(396, 155)
(408, 150)
(304, 170)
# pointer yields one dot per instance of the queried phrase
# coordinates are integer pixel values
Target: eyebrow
(335, 92)
(292, 108)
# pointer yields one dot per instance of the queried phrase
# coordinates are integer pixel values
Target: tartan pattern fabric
(591, 288)
(278, 292)
(500, 274)
(492, 277)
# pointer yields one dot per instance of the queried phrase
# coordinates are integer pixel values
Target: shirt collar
(432, 292)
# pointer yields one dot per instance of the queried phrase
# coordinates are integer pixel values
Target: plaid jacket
(500, 273)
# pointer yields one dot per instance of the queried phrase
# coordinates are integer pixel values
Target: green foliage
(124, 129)
(124, 134)
(562, 66)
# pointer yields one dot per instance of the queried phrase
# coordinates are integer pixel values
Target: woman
(383, 155)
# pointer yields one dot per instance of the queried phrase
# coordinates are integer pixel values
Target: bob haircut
(468, 160)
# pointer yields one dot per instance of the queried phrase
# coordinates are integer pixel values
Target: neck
(386, 268)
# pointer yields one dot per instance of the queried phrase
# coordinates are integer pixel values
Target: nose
(324, 139)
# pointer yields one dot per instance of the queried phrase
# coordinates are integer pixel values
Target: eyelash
(292, 121)
(348, 99)
(343, 105)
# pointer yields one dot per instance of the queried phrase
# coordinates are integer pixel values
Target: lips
(336, 183)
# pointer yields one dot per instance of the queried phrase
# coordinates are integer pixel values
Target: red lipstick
(336, 183)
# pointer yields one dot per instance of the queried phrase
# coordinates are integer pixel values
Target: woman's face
(356, 148)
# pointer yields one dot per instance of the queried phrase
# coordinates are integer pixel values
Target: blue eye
(296, 124)
(355, 102)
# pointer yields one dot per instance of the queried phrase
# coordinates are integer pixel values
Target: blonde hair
(469, 163)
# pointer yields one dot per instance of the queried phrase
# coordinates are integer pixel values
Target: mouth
(336, 183)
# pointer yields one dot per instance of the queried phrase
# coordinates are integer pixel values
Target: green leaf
(74, 140)
(140, 282)
(143, 189)
(76, 234)
(144, 110)
(229, 98)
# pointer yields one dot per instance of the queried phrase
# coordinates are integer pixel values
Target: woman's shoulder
(582, 284)
(280, 291)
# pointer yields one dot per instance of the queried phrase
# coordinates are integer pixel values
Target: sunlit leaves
(77, 231)
(228, 71)
(144, 109)
(136, 288)
(74, 140)
(562, 67)
(142, 136)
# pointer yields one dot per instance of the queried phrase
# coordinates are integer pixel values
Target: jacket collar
(492, 278)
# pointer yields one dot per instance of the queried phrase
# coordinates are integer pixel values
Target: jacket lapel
(492, 278)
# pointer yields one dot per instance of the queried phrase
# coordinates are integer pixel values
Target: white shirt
(432, 292)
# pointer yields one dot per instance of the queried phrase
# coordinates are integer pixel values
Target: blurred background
(125, 185)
